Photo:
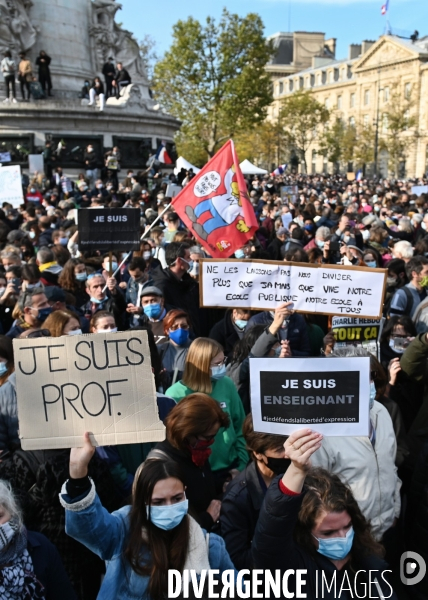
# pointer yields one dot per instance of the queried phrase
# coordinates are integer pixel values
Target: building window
(366, 97)
(336, 74)
(281, 87)
(386, 94)
(366, 120)
(351, 121)
(324, 77)
(407, 91)
(352, 101)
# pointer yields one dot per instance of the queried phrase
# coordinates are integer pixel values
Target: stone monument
(79, 36)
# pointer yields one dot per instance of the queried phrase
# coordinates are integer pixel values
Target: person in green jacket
(205, 371)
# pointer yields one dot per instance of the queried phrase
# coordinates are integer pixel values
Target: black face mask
(278, 465)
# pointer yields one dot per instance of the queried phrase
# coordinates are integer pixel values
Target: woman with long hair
(62, 322)
(141, 542)
(205, 372)
(72, 279)
(310, 520)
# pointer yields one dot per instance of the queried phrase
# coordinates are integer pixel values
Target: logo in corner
(413, 568)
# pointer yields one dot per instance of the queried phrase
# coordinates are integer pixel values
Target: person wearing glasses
(205, 372)
(367, 464)
(32, 310)
(176, 327)
(191, 428)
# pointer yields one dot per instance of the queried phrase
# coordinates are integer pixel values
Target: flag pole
(141, 238)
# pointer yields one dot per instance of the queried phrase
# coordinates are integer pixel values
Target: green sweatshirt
(229, 449)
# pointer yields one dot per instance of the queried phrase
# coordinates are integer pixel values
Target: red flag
(215, 205)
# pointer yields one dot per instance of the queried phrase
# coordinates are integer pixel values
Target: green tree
(213, 77)
(303, 118)
(398, 129)
(364, 145)
(265, 145)
(331, 143)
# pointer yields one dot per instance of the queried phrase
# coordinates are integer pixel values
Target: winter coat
(370, 472)
(225, 333)
(240, 510)
(229, 448)
(48, 567)
(417, 515)
(274, 548)
(9, 439)
(296, 333)
(92, 159)
(106, 535)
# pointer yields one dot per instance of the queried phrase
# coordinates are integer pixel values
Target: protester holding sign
(367, 464)
(110, 300)
(311, 521)
(156, 526)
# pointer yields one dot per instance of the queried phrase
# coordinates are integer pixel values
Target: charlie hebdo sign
(312, 288)
(101, 383)
(329, 395)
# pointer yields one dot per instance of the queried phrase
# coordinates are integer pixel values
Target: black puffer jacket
(224, 332)
(274, 548)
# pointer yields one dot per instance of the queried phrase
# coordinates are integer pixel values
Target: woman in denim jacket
(139, 542)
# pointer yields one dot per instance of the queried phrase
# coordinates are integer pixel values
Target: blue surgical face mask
(372, 394)
(43, 314)
(113, 266)
(96, 301)
(81, 276)
(320, 243)
(3, 369)
(241, 324)
(371, 263)
(167, 517)
(336, 548)
(32, 286)
(218, 372)
(152, 310)
(179, 336)
(240, 253)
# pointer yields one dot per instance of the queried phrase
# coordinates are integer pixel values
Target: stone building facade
(359, 90)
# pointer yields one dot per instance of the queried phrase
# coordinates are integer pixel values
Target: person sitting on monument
(97, 89)
(109, 72)
(121, 79)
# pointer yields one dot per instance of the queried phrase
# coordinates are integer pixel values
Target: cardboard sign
(329, 395)
(173, 190)
(109, 229)
(420, 189)
(350, 331)
(36, 163)
(11, 185)
(313, 288)
(102, 383)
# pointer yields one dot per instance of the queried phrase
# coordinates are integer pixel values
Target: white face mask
(147, 255)
(75, 332)
(113, 330)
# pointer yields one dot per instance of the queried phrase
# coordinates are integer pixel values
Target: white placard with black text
(328, 395)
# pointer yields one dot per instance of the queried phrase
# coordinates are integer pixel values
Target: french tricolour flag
(385, 7)
(162, 155)
(279, 170)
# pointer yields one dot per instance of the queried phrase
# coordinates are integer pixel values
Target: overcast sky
(350, 21)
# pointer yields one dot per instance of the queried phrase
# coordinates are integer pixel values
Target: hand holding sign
(299, 448)
(81, 457)
(281, 313)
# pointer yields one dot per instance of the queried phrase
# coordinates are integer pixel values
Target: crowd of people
(108, 522)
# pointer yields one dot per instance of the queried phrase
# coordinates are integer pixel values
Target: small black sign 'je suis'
(109, 229)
